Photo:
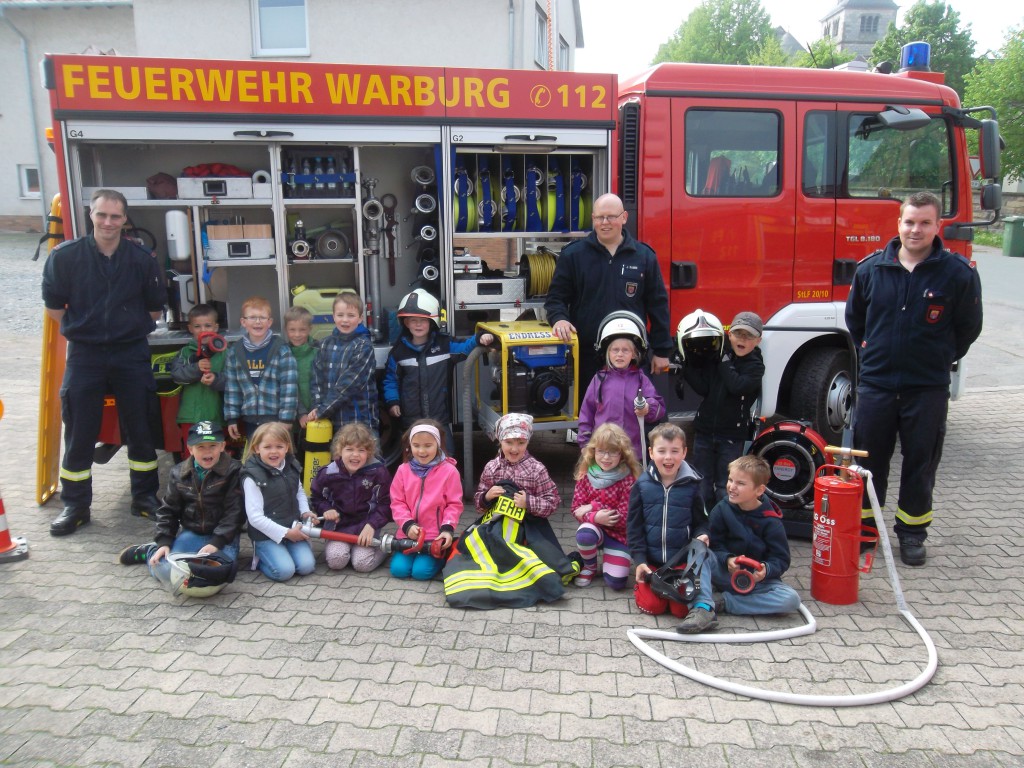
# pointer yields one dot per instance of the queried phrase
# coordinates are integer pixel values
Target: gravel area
(21, 304)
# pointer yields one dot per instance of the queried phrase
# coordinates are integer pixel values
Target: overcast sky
(622, 36)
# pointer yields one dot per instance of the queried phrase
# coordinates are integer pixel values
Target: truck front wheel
(823, 392)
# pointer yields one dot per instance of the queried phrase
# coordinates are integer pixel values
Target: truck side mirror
(991, 197)
(989, 145)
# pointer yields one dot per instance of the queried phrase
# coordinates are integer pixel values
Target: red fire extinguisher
(837, 536)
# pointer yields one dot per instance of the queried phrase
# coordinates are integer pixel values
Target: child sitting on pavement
(202, 507)
(352, 494)
(426, 495)
(747, 523)
(666, 511)
(274, 503)
(605, 475)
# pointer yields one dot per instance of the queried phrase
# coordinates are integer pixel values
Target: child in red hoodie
(425, 494)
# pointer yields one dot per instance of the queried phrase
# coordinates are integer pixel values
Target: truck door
(816, 205)
(733, 205)
(877, 167)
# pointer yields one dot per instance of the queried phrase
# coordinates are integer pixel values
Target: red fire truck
(759, 189)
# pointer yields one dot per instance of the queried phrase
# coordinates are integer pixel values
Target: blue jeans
(419, 566)
(280, 562)
(768, 596)
(711, 457)
(186, 541)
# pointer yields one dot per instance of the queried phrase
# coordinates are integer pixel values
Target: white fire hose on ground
(638, 635)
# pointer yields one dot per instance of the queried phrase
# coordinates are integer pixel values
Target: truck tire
(823, 392)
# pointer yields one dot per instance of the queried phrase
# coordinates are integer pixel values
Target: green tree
(770, 54)
(938, 24)
(1000, 83)
(824, 54)
(719, 32)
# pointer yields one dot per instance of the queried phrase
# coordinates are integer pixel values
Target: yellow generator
(531, 371)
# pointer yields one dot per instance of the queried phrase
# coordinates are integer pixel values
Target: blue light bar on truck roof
(916, 57)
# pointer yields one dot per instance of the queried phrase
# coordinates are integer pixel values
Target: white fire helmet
(195, 575)
(420, 303)
(700, 334)
(622, 325)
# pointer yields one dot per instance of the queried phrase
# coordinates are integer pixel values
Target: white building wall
(467, 33)
(46, 31)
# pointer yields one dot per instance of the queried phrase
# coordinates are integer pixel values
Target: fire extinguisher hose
(638, 636)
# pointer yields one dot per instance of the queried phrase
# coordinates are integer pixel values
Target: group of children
(630, 514)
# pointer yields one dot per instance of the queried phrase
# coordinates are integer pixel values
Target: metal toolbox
(479, 290)
(194, 188)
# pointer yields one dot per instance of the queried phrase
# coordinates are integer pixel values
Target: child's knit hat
(513, 425)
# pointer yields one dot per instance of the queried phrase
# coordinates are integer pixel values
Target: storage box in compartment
(508, 290)
(194, 188)
(130, 193)
(240, 250)
(225, 231)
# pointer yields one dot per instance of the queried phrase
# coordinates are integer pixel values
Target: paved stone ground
(99, 666)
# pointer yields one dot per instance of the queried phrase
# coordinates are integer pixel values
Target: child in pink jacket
(425, 494)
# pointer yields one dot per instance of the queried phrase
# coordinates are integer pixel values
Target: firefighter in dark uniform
(606, 271)
(106, 292)
(914, 309)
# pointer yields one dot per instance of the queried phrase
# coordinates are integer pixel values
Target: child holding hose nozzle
(621, 393)
(425, 494)
(352, 494)
(750, 545)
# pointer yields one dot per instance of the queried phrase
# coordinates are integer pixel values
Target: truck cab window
(818, 160)
(885, 163)
(732, 153)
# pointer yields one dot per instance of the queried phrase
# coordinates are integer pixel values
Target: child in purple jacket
(612, 393)
(352, 494)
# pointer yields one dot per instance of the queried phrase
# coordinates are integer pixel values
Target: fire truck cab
(761, 188)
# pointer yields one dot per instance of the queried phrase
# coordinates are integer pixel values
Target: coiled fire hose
(542, 269)
(638, 635)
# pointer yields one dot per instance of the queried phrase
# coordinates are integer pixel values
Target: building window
(28, 181)
(563, 54)
(280, 28)
(540, 54)
(869, 25)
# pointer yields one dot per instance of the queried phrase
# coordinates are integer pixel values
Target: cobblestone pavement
(99, 666)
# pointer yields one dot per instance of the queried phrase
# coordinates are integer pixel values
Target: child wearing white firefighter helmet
(621, 393)
(421, 364)
(726, 371)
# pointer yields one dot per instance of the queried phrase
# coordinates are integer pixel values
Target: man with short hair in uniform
(914, 309)
(106, 292)
(606, 271)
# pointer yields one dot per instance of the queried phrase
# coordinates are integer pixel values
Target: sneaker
(719, 605)
(135, 555)
(145, 505)
(586, 576)
(698, 620)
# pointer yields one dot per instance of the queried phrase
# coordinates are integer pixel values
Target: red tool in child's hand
(386, 543)
(208, 344)
(743, 577)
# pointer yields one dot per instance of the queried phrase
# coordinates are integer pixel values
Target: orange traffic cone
(11, 547)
